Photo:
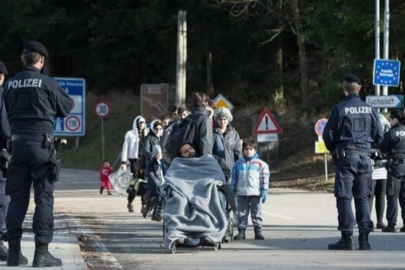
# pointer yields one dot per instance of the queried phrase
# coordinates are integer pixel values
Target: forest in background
(285, 53)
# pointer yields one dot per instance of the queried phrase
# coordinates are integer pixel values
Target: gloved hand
(264, 196)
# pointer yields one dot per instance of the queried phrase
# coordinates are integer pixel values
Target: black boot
(101, 191)
(381, 225)
(3, 252)
(363, 241)
(43, 258)
(240, 235)
(344, 243)
(130, 208)
(15, 257)
(390, 228)
(258, 234)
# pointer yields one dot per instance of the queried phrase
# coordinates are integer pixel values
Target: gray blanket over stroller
(193, 209)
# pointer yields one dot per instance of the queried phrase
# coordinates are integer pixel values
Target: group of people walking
(186, 134)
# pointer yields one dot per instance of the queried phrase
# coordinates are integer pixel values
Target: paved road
(298, 226)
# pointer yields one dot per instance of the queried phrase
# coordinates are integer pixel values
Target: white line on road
(275, 215)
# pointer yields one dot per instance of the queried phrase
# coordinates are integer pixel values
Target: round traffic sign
(72, 123)
(102, 109)
(320, 126)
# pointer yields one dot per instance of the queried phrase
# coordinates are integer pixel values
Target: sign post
(320, 147)
(102, 110)
(394, 101)
(75, 123)
(154, 101)
(267, 129)
(221, 101)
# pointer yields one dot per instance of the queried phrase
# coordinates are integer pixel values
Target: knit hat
(223, 112)
(140, 120)
(156, 150)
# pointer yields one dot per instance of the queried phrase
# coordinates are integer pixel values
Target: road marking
(275, 215)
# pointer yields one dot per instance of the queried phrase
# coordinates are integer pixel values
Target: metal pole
(326, 167)
(184, 58)
(179, 59)
(377, 39)
(102, 138)
(77, 142)
(386, 39)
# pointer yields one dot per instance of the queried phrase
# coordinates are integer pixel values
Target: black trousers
(27, 155)
(135, 166)
(395, 192)
(4, 202)
(378, 191)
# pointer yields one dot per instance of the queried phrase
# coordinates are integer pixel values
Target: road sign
(75, 123)
(267, 124)
(221, 101)
(102, 109)
(72, 123)
(320, 126)
(267, 138)
(154, 101)
(320, 148)
(386, 72)
(394, 101)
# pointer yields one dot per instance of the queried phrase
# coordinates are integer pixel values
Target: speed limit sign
(102, 109)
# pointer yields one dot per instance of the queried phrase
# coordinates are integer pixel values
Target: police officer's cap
(352, 79)
(3, 68)
(398, 114)
(35, 46)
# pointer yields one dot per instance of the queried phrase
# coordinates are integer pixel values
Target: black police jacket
(5, 131)
(352, 125)
(393, 143)
(33, 100)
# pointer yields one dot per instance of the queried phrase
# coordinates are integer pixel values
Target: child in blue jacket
(250, 182)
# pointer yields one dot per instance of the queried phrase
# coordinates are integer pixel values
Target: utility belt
(48, 170)
(392, 163)
(342, 153)
(47, 139)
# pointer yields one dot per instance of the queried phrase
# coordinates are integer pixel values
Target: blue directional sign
(386, 72)
(75, 123)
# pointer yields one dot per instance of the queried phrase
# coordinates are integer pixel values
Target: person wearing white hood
(132, 153)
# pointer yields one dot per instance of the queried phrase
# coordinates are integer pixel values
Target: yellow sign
(320, 148)
(221, 101)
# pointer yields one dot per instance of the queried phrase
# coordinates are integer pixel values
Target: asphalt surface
(298, 227)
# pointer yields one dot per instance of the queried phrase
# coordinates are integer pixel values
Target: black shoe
(3, 252)
(402, 229)
(45, 260)
(389, 228)
(343, 244)
(363, 242)
(130, 208)
(259, 235)
(15, 257)
(241, 235)
(381, 225)
(109, 193)
(101, 191)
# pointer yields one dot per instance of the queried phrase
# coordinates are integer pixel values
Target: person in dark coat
(151, 140)
(227, 143)
(157, 170)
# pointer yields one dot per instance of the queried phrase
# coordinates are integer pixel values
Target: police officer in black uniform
(394, 147)
(32, 101)
(4, 135)
(352, 126)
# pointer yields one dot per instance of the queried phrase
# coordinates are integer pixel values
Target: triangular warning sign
(267, 124)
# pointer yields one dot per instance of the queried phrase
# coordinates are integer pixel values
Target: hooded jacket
(132, 142)
(151, 140)
(250, 176)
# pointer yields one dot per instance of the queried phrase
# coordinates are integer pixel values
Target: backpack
(182, 132)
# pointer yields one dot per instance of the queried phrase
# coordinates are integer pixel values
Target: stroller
(193, 213)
